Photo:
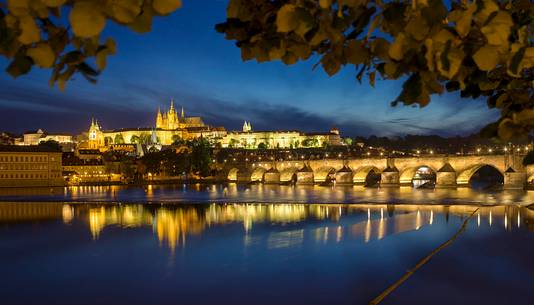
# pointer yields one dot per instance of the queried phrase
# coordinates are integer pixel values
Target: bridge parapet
(451, 171)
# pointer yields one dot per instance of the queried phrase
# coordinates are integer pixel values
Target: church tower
(96, 137)
(247, 127)
(172, 117)
(159, 119)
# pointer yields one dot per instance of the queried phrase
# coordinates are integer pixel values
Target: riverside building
(23, 166)
(170, 126)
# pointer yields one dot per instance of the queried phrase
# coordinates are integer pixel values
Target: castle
(170, 120)
(169, 127)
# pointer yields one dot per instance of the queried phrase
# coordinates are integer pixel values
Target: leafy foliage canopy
(64, 35)
(481, 48)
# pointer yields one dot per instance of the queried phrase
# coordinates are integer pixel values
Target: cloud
(129, 104)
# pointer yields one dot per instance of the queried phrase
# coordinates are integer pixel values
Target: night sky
(185, 58)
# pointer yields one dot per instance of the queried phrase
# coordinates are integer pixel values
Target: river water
(228, 244)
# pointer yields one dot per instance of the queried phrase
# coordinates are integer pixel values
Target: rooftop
(28, 149)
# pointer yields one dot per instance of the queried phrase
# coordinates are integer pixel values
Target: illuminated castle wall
(168, 127)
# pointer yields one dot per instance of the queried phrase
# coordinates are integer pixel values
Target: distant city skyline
(184, 58)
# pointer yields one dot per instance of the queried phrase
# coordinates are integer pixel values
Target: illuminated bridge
(449, 171)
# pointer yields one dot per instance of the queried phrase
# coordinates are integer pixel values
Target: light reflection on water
(280, 253)
(222, 193)
(173, 224)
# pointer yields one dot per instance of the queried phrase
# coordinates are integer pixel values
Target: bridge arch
(232, 174)
(321, 174)
(361, 173)
(288, 174)
(257, 174)
(465, 176)
(407, 175)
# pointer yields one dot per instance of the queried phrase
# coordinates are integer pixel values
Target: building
(6, 139)
(30, 166)
(35, 137)
(250, 139)
(169, 126)
(89, 170)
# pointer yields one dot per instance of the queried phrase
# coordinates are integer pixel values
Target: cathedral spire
(183, 115)
(172, 104)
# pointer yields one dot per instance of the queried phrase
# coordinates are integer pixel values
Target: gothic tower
(159, 119)
(96, 137)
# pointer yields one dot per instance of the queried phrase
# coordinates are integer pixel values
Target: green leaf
(125, 11)
(101, 59)
(20, 65)
(165, 7)
(498, 29)
(143, 22)
(507, 129)
(396, 49)
(325, 4)
(286, 20)
(417, 28)
(86, 19)
(356, 53)
(450, 60)
(42, 55)
(463, 24)
(30, 33)
(487, 57)
(331, 63)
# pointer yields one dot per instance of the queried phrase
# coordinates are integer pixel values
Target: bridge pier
(244, 176)
(446, 177)
(344, 176)
(272, 176)
(390, 177)
(305, 175)
(514, 180)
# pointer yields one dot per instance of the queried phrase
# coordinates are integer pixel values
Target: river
(257, 244)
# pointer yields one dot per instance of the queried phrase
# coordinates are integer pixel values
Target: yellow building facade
(250, 139)
(23, 166)
(169, 126)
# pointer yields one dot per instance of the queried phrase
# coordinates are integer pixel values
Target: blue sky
(185, 58)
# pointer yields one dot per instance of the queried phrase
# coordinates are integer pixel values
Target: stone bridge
(450, 171)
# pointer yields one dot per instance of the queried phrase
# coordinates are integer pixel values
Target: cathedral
(170, 120)
(168, 127)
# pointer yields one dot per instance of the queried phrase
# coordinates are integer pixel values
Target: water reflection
(222, 193)
(174, 224)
